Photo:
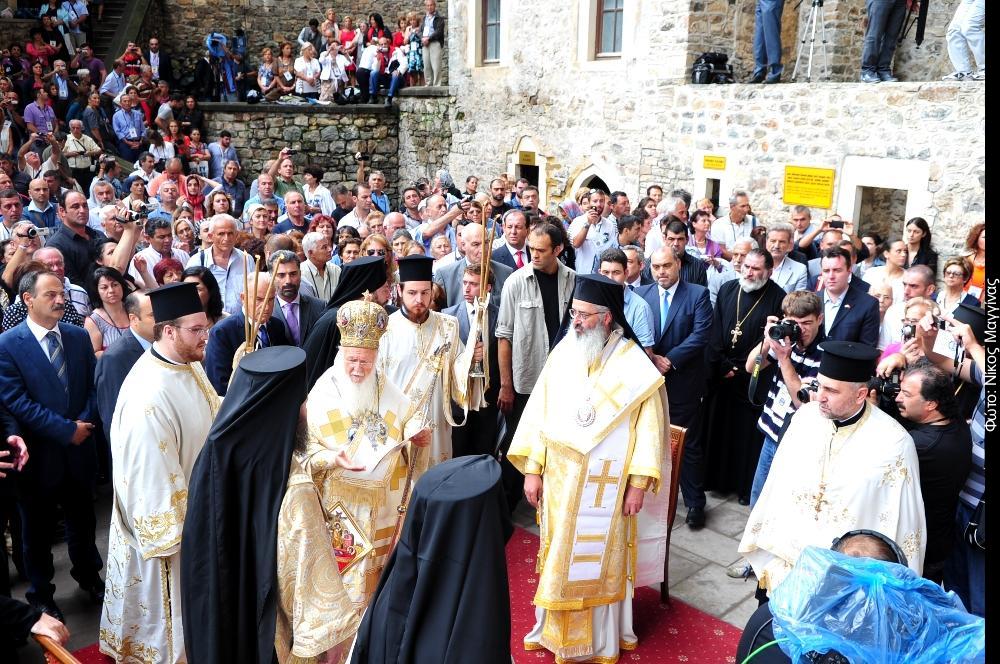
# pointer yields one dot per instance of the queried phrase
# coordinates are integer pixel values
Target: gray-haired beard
(750, 285)
(356, 398)
(589, 343)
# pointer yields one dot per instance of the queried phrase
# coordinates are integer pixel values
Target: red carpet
(91, 655)
(678, 633)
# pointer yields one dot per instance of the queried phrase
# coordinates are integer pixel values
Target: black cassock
(443, 596)
(321, 345)
(229, 546)
(733, 441)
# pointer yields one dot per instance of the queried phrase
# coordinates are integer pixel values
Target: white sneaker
(740, 569)
(956, 76)
(979, 75)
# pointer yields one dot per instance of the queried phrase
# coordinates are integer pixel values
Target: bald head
(393, 222)
(472, 238)
(38, 189)
(262, 304)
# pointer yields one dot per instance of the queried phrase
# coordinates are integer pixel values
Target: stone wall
(328, 136)
(424, 135)
(15, 31)
(266, 22)
(728, 26)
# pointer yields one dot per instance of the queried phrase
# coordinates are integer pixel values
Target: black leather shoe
(695, 518)
(94, 590)
(744, 500)
(50, 607)
(758, 77)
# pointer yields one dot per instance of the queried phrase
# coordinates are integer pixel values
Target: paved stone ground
(698, 561)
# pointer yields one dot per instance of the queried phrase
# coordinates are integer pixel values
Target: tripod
(815, 15)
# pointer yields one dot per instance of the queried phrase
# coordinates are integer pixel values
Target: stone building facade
(552, 111)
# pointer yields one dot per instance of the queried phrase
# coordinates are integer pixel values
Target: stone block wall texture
(15, 31)
(728, 26)
(328, 137)
(184, 24)
(424, 137)
(658, 139)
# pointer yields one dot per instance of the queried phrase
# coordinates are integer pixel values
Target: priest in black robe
(733, 441)
(237, 552)
(444, 595)
(363, 275)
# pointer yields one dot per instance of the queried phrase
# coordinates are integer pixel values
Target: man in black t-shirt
(927, 403)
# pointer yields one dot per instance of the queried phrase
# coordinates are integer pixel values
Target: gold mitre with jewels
(362, 323)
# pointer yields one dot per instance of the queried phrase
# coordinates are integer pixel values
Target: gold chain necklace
(736, 332)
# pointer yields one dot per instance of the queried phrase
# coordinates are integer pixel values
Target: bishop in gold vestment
(354, 409)
(591, 441)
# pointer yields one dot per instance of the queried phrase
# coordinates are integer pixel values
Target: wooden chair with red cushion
(677, 435)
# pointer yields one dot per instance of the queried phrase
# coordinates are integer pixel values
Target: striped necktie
(57, 357)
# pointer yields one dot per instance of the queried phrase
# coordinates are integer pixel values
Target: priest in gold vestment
(161, 420)
(592, 444)
(354, 409)
(422, 353)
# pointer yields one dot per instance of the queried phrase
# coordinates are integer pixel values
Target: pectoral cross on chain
(602, 481)
(736, 333)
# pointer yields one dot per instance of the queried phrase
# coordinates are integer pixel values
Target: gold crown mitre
(361, 324)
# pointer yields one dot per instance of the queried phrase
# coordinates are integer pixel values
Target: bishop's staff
(251, 326)
(480, 368)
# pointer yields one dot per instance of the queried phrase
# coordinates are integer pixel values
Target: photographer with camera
(591, 234)
(965, 569)
(793, 343)
(927, 404)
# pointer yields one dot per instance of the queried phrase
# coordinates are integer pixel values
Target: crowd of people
(152, 319)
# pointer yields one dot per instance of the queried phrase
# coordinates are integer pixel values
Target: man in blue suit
(479, 435)
(682, 313)
(849, 314)
(47, 384)
(122, 355)
(229, 335)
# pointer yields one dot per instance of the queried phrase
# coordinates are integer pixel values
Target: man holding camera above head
(843, 464)
(590, 233)
(965, 568)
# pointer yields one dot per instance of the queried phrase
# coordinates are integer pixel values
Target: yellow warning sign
(713, 162)
(812, 187)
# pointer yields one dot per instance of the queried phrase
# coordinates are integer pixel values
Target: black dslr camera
(886, 388)
(786, 328)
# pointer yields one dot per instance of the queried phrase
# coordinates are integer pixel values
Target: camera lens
(32, 232)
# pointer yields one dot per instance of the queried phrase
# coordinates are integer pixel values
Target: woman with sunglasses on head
(957, 275)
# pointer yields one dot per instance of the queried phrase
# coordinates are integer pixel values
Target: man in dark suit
(119, 358)
(296, 311)
(849, 314)
(450, 276)
(514, 252)
(47, 383)
(682, 314)
(229, 335)
(479, 435)
(162, 64)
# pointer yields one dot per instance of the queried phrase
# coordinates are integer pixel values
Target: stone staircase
(105, 31)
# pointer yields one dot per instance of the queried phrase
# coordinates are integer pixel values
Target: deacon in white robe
(422, 352)
(842, 465)
(591, 445)
(161, 420)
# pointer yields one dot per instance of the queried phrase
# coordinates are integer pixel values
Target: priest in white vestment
(842, 465)
(355, 409)
(161, 420)
(592, 445)
(422, 352)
